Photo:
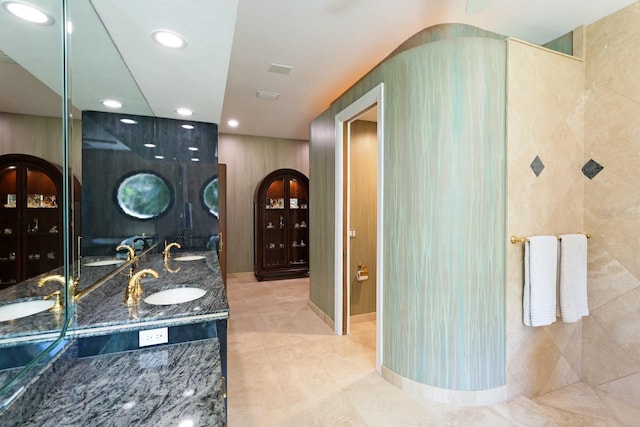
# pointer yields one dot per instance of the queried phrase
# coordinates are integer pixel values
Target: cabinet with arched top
(281, 228)
(30, 217)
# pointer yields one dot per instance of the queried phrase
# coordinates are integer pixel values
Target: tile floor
(287, 368)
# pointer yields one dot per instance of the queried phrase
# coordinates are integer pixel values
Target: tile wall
(611, 335)
(545, 121)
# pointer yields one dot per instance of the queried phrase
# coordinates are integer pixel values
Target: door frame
(222, 220)
(374, 97)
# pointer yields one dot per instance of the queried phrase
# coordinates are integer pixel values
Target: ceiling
(329, 44)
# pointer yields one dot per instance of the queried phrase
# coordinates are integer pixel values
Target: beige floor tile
(578, 398)
(288, 368)
(335, 411)
(624, 413)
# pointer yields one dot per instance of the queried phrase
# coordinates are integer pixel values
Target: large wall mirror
(105, 148)
(36, 208)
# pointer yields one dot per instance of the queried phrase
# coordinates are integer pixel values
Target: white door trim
(373, 97)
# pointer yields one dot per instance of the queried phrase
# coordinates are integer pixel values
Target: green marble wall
(563, 44)
(444, 211)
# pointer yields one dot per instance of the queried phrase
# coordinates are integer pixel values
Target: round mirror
(143, 195)
(209, 195)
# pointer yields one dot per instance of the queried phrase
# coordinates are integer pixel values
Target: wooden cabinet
(281, 226)
(30, 217)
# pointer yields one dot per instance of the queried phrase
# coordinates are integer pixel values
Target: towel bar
(516, 239)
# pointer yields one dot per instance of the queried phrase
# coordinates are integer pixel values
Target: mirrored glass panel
(33, 208)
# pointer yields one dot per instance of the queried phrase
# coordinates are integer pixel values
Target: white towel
(540, 278)
(573, 277)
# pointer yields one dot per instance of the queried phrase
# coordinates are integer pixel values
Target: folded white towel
(540, 278)
(573, 277)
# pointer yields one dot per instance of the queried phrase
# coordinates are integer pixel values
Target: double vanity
(140, 350)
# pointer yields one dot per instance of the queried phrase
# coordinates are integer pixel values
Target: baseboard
(365, 317)
(322, 315)
(458, 397)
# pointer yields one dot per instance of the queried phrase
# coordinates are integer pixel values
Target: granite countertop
(103, 308)
(154, 386)
(161, 386)
(44, 325)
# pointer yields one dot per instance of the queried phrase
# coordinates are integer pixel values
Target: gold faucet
(167, 249)
(57, 306)
(168, 268)
(57, 278)
(131, 254)
(134, 289)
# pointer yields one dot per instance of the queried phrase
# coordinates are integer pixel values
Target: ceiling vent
(279, 68)
(267, 95)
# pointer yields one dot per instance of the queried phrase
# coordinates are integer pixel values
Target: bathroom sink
(175, 296)
(103, 262)
(20, 309)
(188, 258)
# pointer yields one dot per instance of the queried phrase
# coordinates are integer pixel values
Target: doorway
(372, 101)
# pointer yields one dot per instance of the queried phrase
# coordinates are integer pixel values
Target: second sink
(20, 309)
(103, 262)
(175, 296)
(189, 258)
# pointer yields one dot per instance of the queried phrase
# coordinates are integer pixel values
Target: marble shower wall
(545, 120)
(611, 347)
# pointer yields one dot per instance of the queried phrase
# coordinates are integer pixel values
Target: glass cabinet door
(30, 221)
(8, 226)
(275, 223)
(41, 225)
(299, 221)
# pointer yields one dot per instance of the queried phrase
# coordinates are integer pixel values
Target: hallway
(287, 368)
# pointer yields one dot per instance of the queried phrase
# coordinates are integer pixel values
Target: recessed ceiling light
(111, 103)
(128, 121)
(28, 12)
(233, 123)
(188, 127)
(150, 145)
(193, 148)
(168, 39)
(159, 157)
(184, 111)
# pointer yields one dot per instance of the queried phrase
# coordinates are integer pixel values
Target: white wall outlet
(153, 337)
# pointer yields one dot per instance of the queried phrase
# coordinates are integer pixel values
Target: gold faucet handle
(57, 304)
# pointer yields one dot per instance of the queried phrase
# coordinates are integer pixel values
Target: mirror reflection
(109, 209)
(33, 213)
(147, 177)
